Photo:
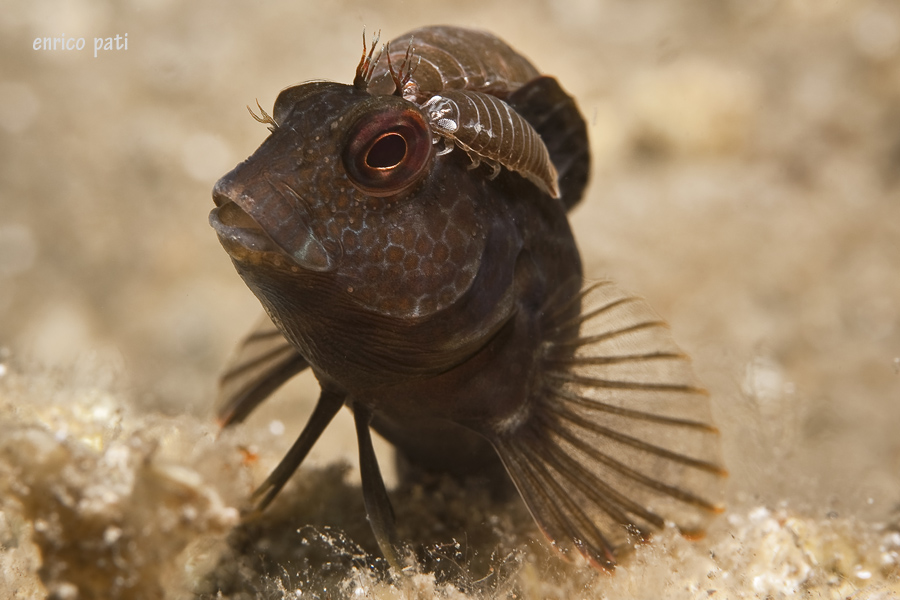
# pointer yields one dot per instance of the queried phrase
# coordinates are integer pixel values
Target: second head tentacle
(367, 63)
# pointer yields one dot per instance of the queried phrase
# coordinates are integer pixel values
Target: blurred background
(746, 180)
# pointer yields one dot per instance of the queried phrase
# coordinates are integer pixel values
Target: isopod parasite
(489, 130)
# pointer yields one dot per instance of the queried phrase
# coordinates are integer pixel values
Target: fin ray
(634, 414)
(595, 488)
(673, 491)
(262, 362)
(543, 498)
(578, 526)
(327, 407)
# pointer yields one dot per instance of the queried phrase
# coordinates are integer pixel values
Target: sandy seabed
(746, 181)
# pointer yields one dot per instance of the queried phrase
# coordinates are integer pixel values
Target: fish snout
(259, 216)
(240, 235)
(223, 191)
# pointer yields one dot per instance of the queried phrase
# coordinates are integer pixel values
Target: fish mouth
(252, 223)
(238, 232)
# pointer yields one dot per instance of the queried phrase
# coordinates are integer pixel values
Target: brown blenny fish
(407, 236)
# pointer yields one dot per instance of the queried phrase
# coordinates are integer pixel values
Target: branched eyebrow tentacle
(366, 65)
(265, 119)
(403, 76)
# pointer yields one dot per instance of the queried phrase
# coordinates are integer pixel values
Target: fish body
(445, 305)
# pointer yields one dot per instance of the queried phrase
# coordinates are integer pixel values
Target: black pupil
(387, 152)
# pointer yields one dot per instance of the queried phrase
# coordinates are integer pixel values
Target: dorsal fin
(555, 116)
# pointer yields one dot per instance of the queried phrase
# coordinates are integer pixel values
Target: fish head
(346, 216)
(346, 185)
(331, 149)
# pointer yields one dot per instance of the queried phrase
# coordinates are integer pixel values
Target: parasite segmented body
(460, 78)
(451, 58)
(488, 129)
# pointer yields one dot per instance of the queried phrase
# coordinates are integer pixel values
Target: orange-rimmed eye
(388, 150)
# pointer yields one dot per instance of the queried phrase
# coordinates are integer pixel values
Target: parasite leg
(496, 170)
(446, 147)
(402, 77)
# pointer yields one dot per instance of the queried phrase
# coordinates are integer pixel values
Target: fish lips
(249, 223)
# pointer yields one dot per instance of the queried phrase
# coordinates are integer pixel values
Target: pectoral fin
(260, 364)
(617, 439)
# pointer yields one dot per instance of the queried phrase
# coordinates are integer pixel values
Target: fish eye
(388, 151)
